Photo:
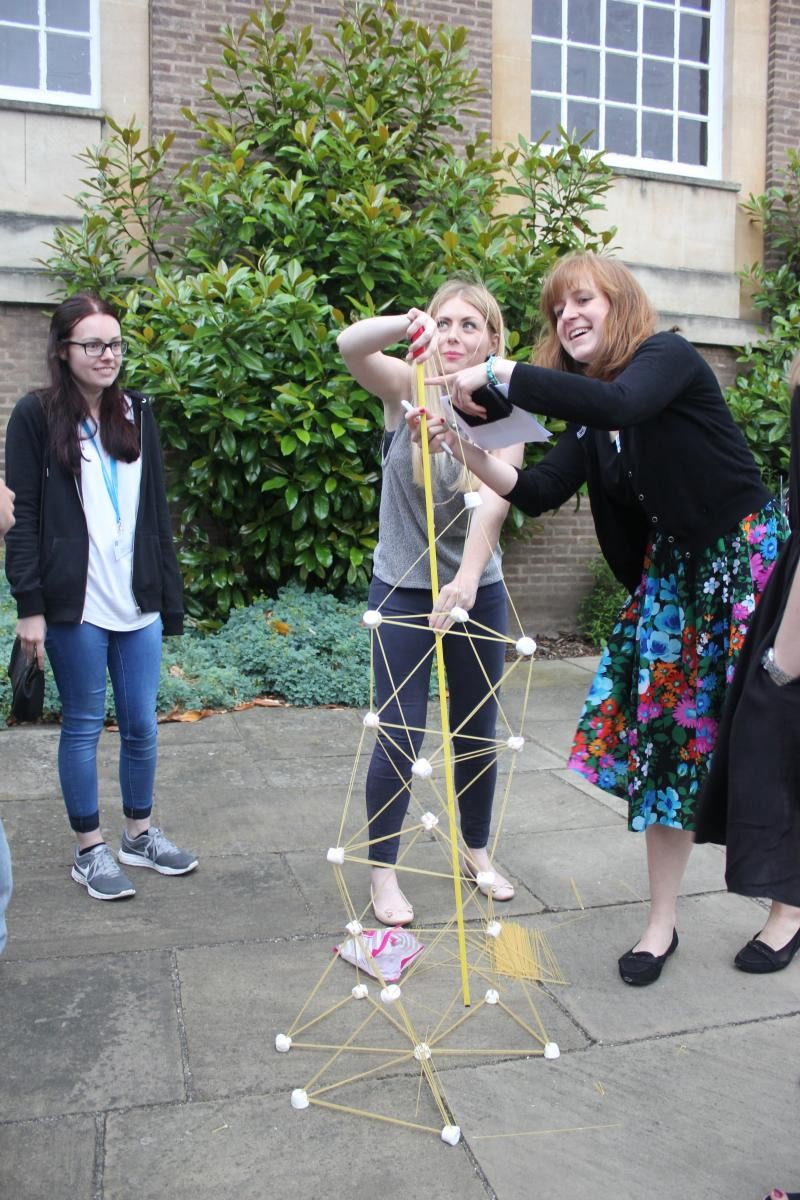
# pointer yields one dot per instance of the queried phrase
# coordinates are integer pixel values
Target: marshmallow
(354, 928)
(551, 1050)
(421, 1051)
(451, 1134)
(422, 768)
(372, 618)
(485, 879)
(300, 1098)
(429, 821)
(492, 996)
(515, 742)
(391, 993)
(526, 646)
(494, 929)
(335, 854)
(371, 720)
(283, 1043)
(472, 500)
(459, 614)
(360, 991)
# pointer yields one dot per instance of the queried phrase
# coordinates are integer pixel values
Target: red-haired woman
(683, 520)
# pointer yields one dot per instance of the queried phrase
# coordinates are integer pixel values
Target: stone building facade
(680, 227)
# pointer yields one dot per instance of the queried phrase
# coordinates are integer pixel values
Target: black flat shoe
(760, 959)
(640, 967)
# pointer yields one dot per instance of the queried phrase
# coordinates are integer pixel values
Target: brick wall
(783, 112)
(183, 46)
(23, 345)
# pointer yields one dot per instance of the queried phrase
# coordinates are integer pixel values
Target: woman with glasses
(92, 567)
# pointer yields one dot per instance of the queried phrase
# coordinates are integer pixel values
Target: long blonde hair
(631, 318)
(471, 291)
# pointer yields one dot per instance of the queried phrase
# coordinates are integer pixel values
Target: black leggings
(399, 650)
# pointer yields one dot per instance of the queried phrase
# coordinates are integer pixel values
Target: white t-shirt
(109, 601)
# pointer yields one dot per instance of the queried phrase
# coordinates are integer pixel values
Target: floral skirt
(649, 723)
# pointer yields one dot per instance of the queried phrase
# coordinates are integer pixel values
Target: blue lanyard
(109, 480)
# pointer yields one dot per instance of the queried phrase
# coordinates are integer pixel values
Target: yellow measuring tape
(445, 718)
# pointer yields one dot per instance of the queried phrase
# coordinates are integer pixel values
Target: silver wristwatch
(773, 670)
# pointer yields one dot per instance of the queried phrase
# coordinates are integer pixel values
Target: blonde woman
(683, 520)
(462, 326)
(752, 798)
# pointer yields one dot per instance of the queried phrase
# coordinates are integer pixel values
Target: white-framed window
(643, 77)
(50, 51)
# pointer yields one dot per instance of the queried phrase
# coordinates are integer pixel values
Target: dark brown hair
(631, 318)
(64, 403)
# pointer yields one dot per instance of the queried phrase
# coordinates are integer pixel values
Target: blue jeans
(5, 885)
(403, 647)
(80, 655)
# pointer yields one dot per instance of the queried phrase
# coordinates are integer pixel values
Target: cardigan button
(641, 495)
(688, 554)
(670, 539)
(630, 474)
(654, 520)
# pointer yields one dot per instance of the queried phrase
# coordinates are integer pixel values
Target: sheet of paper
(520, 426)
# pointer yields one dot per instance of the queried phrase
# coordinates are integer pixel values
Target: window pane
(621, 78)
(694, 38)
(656, 136)
(621, 130)
(545, 119)
(659, 32)
(19, 58)
(583, 72)
(584, 21)
(693, 90)
(24, 11)
(705, 5)
(68, 64)
(621, 30)
(547, 18)
(583, 117)
(693, 142)
(68, 14)
(546, 66)
(657, 83)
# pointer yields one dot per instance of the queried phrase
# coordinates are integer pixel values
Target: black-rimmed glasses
(94, 348)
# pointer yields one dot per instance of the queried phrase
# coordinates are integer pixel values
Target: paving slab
(704, 1114)
(89, 1033)
(50, 1158)
(253, 1148)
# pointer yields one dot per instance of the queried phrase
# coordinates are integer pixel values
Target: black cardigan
(691, 473)
(47, 550)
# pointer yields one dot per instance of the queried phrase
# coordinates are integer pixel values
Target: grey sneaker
(100, 875)
(153, 850)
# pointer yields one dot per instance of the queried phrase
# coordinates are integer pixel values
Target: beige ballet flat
(401, 914)
(500, 889)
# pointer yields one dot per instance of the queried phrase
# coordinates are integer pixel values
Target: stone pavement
(137, 1051)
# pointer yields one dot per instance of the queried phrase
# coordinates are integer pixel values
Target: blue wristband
(490, 375)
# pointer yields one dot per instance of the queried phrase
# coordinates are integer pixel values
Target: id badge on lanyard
(123, 542)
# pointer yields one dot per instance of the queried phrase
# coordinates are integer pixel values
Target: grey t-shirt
(401, 556)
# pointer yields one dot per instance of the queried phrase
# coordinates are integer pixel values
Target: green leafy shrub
(600, 608)
(325, 188)
(759, 399)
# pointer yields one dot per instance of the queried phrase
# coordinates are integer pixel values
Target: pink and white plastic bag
(391, 950)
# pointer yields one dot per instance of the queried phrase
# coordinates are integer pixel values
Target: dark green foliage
(600, 608)
(760, 398)
(326, 188)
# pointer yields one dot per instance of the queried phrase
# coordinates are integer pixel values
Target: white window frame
(44, 95)
(714, 120)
